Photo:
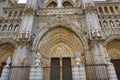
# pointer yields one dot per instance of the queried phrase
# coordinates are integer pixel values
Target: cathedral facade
(60, 40)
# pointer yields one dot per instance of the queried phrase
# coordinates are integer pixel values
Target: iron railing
(93, 71)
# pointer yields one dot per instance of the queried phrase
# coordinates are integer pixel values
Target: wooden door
(66, 70)
(117, 67)
(55, 69)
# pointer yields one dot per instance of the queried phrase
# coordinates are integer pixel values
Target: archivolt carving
(60, 38)
(60, 22)
(113, 49)
(6, 50)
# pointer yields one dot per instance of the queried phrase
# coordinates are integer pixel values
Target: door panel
(66, 70)
(55, 69)
(117, 67)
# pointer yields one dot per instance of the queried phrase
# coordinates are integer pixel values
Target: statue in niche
(77, 59)
(38, 59)
(111, 24)
(105, 24)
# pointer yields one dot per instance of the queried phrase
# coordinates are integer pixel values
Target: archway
(6, 50)
(59, 45)
(113, 49)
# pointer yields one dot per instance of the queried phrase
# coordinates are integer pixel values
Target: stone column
(115, 10)
(12, 14)
(6, 70)
(17, 14)
(98, 11)
(6, 16)
(99, 59)
(19, 61)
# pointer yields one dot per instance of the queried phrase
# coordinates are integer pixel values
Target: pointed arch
(66, 24)
(52, 4)
(10, 27)
(67, 4)
(4, 28)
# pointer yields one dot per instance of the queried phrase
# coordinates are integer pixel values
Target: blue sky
(24, 1)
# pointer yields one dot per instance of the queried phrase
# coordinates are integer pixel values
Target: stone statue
(8, 61)
(38, 59)
(77, 58)
(96, 34)
(108, 60)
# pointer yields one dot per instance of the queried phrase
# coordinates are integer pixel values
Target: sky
(24, 1)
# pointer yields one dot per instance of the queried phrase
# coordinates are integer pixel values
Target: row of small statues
(38, 60)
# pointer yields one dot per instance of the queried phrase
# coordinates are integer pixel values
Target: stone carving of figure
(105, 24)
(38, 59)
(96, 34)
(8, 61)
(108, 60)
(111, 24)
(77, 58)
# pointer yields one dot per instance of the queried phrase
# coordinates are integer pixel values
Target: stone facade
(86, 32)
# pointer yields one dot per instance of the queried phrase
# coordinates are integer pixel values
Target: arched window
(106, 9)
(67, 4)
(16, 28)
(111, 23)
(4, 28)
(10, 14)
(105, 23)
(15, 13)
(100, 10)
(117, 23)
(116, 8)
(52, 5)
(10, 27)
(111, 9)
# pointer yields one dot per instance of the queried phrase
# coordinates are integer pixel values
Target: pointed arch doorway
(57, 48)
(113, 49)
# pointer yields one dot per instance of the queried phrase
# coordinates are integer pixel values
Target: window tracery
(52, 5)
(4, 28)
(67, 4)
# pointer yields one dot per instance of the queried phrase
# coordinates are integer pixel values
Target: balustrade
(51, 11)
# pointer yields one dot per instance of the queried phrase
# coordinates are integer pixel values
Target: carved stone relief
(113, 49)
